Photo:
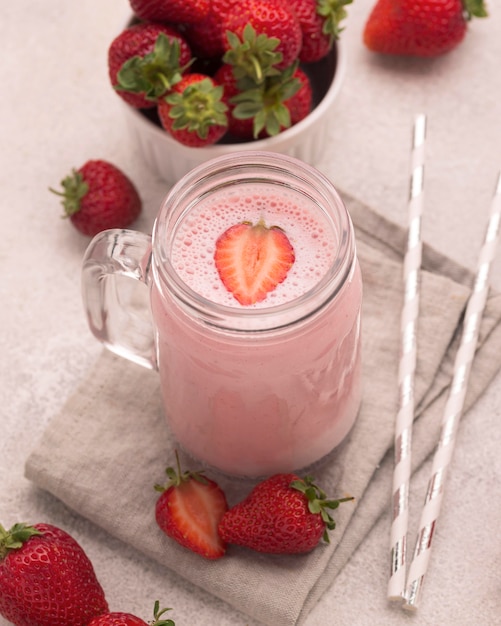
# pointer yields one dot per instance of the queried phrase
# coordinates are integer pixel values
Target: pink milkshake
(273, 386)
(259, 357)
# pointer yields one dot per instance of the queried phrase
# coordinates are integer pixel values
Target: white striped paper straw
(454, 405)
(407, 367)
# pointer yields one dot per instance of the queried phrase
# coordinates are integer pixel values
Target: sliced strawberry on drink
(189, 511)
(252, 260)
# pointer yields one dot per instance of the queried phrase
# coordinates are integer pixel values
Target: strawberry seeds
(252, 260)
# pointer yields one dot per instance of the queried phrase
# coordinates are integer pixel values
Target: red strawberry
(126, 619)
(284, 514)
(145, 60)
(46, 579)
(99, 196)
(118, 619)
(173, 11)
(252, 260)
(263, 100)
(253, 57)
(270, 108)
(194, 112)
(240, 128)
(425, 29)
(274, 19)
(299, 104)
(207, 38)
(319, 20)
(189, 511)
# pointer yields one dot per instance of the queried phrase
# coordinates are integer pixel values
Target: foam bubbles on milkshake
(310, 234)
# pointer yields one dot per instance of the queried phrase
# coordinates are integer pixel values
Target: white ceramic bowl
(306, 140)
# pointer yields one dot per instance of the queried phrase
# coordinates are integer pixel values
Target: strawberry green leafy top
(15, 537)
(474, 8)
(318, 503)
(157, 614)
(333, 12)
(155, 73)
(254, 56)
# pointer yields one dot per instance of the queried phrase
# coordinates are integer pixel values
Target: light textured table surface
(58, 110)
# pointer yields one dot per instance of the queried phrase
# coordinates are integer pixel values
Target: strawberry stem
(475, 8)
(333, 12)
(155, 73)
(74, 189)
(176, 476)
(253, 57)
(265, 103)
(318, 503)
(14, 538)
(198, 107)
(157, 614)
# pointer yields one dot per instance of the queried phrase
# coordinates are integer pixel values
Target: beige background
(58, 110)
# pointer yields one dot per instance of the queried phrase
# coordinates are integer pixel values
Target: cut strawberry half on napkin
(189, 510)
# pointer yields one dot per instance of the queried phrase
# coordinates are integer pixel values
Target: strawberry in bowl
(271, 72)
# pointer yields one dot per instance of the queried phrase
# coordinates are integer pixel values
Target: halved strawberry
(252, 260)
(189, 511)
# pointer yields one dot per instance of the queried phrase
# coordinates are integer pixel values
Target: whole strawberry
(46, 579)
(194, 111)
(239, 128)
(319, 21)
(189, 510)
(99, 196)
(427, 28)
(173, 11)
(253, 57)
(273, 19)
(127, 619)
(265, 110)
(300, 103)
(283, 514)
(145, 60)
(207, 38)
(263, 99)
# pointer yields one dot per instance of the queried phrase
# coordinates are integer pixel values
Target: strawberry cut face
(252, 260)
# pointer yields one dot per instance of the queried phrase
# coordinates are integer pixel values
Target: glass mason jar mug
(249, 389)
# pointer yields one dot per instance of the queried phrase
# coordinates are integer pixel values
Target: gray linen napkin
(110, 444)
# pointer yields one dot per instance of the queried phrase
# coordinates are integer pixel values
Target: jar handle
(115, 280)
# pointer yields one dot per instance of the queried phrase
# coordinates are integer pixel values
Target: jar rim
(261, 167)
